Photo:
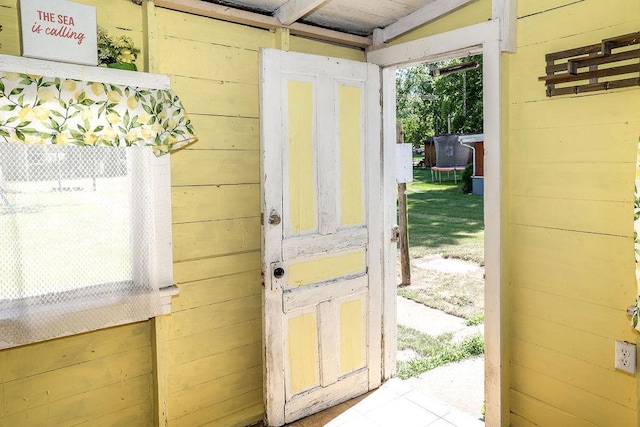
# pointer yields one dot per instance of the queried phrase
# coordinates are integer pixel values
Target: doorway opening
(440, 303)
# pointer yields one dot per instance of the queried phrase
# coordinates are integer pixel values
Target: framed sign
(404, 163)
(59, 30)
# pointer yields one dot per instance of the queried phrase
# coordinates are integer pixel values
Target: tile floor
(394, 404)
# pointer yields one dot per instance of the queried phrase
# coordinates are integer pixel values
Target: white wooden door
(322, 234)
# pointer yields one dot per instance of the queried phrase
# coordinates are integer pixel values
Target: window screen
(77, 233)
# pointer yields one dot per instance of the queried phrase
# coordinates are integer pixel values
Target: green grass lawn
(443, 220)
(434, 351)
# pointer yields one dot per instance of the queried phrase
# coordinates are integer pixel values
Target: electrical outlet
(626, 356)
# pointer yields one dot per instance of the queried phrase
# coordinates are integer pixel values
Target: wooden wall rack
(584, 64)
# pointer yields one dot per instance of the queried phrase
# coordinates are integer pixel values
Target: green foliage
(414, 88)
(467, 180)
(477, 319)
(459, 96)
(425, 103)
(115, 49)
(434, 352)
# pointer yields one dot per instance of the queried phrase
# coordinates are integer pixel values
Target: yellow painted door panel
(351, 153)
(352, 316)
(301, 168)
(302, 342)
(326, 268)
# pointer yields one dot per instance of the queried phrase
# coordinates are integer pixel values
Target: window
(81, 237)
(85, 204)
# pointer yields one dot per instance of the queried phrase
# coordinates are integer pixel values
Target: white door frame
(479, 38)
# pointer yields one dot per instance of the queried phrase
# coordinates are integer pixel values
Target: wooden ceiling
(357, 22)
(358, 17)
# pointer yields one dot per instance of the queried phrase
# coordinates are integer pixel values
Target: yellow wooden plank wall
(10, 34)
(102, 378)
(570, 235)
(214, 361)
(304, 45)
(473, 13)
(98, 378)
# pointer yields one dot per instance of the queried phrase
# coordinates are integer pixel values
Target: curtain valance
(52, 110)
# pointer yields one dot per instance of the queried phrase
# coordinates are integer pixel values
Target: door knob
(274, 218)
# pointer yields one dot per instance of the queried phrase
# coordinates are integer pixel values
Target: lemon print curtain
(50, 110)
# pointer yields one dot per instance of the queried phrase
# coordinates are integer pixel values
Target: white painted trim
(304, 296)
(430, 12)
(321, 65)
(163, 224)
(442, 46)
(505, 11)
(329, 348)
(166, 297)
(270, 157)
(308, 245)
(40, 67)
(378, 38)
(293, 10)
(327, 156)
(484, 38)
(375, 222)
(390, 212)
(494, 336)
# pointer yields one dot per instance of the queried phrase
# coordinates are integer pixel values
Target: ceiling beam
(225, 13)
(293, 10)
(428, 13)
(506, 12)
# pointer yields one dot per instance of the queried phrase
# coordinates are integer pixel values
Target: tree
(414, 98)
(426, 104)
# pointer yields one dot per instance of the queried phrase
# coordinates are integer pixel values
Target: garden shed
(235, 336)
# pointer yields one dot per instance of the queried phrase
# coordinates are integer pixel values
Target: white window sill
(73, 315)
(166, 296)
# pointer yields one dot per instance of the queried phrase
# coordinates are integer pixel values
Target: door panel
(321, 175)
(301, 179)
(351, 155)
(323, 269)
